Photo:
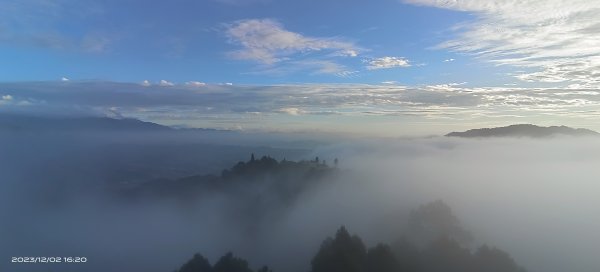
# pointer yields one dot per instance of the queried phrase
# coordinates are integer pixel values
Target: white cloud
(291, 111)
(310, 66)
(386, 63)
(449, 60)
(268, 42)
(223, 104)
(347, 53)
(195, 84)
(146, 83)
(324, 67)
(558, 39)
(64, 79)
(9, 100)
(165, 83)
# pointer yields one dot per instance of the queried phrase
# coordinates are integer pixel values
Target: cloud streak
(554, 40)
(266, 107)
(267, 41)
(387, 63)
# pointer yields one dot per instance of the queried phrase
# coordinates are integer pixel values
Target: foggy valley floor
(299, 136)
(150, 200)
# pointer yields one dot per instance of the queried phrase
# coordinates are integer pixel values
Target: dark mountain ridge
(14, 122)
(523, 130)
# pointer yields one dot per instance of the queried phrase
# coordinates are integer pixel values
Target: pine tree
(344, 253)
(197, 264)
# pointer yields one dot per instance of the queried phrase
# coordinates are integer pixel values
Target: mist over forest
(299, 136)
(142, 197)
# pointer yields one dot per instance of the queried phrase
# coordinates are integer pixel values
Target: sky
(386, 67)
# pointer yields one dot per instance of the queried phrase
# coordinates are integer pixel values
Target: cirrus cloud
(555, 40)
(267, 41)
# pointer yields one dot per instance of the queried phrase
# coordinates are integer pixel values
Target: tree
(230, 263)
(344, 253)
(335, 162)
(494, 260)
(197, 264)
(381, 259)
(252, 157)
(264, 269)
(446, 255)
(407, 255)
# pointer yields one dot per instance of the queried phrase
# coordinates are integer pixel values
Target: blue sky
(183, 41)
(360, 63)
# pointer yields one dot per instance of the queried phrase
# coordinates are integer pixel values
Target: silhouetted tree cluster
(227, 263)
(437, 243)
(267, 164)
(346, 253)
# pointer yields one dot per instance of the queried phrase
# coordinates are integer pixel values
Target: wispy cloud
(311, 66)
(556, 40)
(291, 111)
(195, 84)
(267, 41)
(386, 63)
(211, 104)
(166, 83)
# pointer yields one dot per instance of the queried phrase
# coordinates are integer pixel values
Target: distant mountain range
(10, 122)
(16, 122)
(523, 130)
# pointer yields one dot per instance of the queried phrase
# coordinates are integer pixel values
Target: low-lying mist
(537, 199)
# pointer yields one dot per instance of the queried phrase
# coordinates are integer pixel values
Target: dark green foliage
(279, 180)
(347, 253)
(446, 255)
(197, 264)
(230, 263)
(344, 253)
(264, 269)
(253, 167)
(381, 259)
(227, 263)
(407, 255)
